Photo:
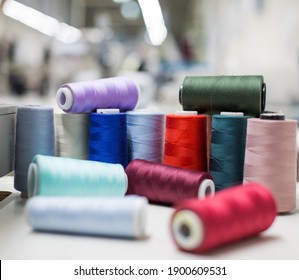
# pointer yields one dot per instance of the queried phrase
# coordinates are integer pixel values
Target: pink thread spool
(271, 157)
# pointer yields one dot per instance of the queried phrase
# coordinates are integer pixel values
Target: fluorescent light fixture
(154, 21)
(41, 22)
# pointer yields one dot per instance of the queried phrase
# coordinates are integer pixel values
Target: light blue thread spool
(146, 133)
(34, 135)
(106, 216)
(58, 176)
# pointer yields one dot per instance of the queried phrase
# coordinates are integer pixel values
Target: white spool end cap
(236, 114)
(187, 229)
(64, 98)
(186, 113)
(108, 111)
(206, 188)
(32, 180)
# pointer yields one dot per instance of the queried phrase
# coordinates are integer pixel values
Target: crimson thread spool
(271, 157)
(232, 215)
(186, 141)
(164, 184)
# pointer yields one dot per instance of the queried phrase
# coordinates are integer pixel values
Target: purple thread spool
(86, 97)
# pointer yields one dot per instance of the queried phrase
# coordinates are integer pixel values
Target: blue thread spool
(34, 135)
(58, 176)
(228, 149)
(105, 216)
(146, 133)
(108, 137)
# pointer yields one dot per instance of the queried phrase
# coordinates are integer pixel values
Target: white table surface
(19, 242)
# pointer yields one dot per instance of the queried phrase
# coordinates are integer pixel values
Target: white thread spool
(72, 132)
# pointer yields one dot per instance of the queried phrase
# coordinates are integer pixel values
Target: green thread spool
(58, 176)
(215, 94)
(228, 149)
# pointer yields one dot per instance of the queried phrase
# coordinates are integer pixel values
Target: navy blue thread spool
(108, 137)
(228, 149)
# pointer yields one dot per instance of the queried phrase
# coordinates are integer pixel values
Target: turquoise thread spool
(215, 94)
(57, 176)
(228, 149)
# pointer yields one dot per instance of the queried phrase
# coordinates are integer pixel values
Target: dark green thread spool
(228, 150)
(215, 94)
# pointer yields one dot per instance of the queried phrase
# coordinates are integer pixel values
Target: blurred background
(157, 42)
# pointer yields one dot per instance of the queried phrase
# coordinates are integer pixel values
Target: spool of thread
(34, 135)
(228, 149)
(167, 184)
(72, 133)
(271, 158)
(116, 217)
(86, 97)
(108, 137)
(231, 215)
(186, 140)
(215, 94)
(58, 176)
(146, 134)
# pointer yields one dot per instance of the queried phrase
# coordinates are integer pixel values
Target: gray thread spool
(34, 135)
(72, 131)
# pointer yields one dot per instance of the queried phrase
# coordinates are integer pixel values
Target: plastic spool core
(108, 111)
(263, 96)
(206, 188)
(186, 113)
(181, 93)
(236, 114)
(32, 179)
(188, 230)
(279, 116)
(64, 98)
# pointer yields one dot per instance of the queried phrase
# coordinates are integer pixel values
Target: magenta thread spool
(87, 96)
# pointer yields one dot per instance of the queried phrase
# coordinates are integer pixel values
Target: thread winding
(167, 184)
(58, 176)
(145, 132)
(34, 135)
(108, 138)
(72, 131)
(105, 216)
(271, 158)
(228, 149)
(86, 97)
(186, 141)
(231, 215)
(214, 94)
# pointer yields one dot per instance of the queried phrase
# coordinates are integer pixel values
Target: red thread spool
(233, 214)
(186, 141)
(167, 184)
